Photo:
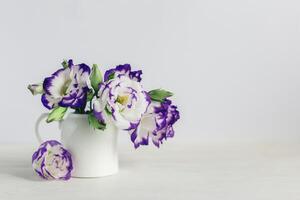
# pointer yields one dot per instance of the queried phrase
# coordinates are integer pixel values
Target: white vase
(94, 152)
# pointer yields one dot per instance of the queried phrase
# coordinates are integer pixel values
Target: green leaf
(96, 77)
(107, 110)
(159, 94)
(90, 95)
(65, 64)
(93, 121)
(56, 114)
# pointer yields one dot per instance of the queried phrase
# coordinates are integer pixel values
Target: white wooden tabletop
(175, 171)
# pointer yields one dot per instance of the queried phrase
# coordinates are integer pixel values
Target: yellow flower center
(123, 99)
(65, 87)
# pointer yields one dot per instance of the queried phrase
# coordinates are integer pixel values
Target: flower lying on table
(52, 161)
(117, 98)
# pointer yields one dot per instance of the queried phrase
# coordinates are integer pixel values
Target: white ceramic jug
(94, 152)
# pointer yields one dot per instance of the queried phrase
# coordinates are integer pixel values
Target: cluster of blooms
(116, 98)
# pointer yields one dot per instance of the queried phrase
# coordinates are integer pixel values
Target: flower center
(122, 99)
(65, 87)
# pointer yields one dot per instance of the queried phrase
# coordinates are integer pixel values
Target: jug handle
(41, 118)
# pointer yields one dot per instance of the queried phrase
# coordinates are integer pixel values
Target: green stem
(79, 110)
(91, 106)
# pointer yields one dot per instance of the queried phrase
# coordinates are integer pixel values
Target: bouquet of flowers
(117, 98)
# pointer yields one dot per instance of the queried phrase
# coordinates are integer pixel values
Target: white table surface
(176, 171)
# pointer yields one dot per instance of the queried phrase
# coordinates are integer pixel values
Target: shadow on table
(26, 173)
(19, 169)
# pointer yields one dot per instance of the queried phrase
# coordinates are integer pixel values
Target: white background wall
(233, 65)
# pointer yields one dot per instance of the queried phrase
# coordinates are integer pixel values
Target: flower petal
(136, 75)
(48, 101)
(108, 73)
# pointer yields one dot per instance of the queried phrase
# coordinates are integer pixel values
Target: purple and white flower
(156, 124)
(52, 161)
(67, 87)
(121, 98)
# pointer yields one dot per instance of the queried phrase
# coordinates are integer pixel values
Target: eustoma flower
(121, 98)
(156, 124)
(52, 161)
(67, 87)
